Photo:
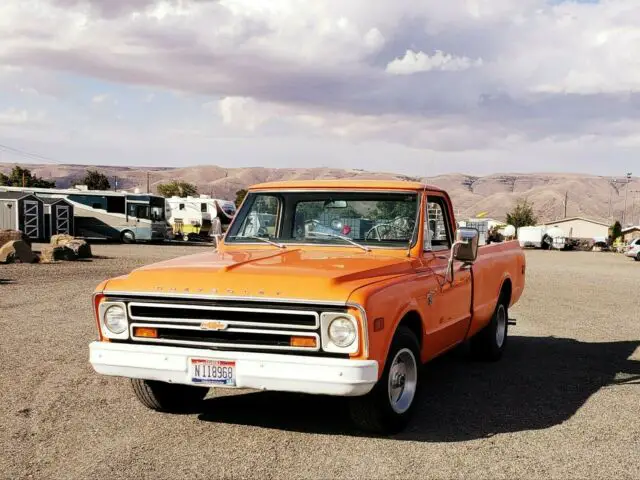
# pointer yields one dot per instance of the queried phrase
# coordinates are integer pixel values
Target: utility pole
(148, 175)
(115, 183)
(614, 182)
(24, 179)
(626, 191)
(566, 198)
(636, 195)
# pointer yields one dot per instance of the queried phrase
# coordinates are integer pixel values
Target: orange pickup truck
(323, 287)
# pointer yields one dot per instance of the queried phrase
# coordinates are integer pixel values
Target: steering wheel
(394, 230)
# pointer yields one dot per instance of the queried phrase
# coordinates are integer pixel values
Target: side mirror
(467, 245)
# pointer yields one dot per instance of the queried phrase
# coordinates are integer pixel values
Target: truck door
(448, 302)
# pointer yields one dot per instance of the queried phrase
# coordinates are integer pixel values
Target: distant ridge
(588, 195)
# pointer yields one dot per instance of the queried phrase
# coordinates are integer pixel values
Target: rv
(201, 216)
(109, 215)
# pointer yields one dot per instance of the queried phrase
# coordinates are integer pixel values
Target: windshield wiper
(265, 240)
(341, 237)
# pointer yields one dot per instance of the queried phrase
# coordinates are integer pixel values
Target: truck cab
(341, 288)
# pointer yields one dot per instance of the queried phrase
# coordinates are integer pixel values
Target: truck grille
(227, 325)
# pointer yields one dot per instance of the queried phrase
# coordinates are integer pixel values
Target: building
(22, 211)
(630, 233)
(581, 228)
(58, 217)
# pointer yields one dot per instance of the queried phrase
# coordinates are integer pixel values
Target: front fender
(391, 303)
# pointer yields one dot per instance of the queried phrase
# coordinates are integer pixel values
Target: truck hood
(295, 274)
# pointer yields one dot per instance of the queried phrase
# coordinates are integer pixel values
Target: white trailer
(201, 216)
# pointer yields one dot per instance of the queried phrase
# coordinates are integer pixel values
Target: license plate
(212, 372)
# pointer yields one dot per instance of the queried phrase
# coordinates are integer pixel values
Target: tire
(489, 344)
(128, 237)
(168, 397)
(637, 257)
(376, 412)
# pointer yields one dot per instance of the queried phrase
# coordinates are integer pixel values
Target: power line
(25, 154)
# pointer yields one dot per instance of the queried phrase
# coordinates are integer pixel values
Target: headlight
(342, 332)
(115, 319)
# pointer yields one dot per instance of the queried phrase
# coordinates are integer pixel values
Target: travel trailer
(201, 216)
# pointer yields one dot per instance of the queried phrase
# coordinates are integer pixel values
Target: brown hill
(588, 195)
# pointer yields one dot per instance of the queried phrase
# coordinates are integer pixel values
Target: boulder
(16, 251)
(55, 253)
(61, 239)
(80, 248)
(7, 236)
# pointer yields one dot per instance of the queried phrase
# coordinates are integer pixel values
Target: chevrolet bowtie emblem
(213, 325)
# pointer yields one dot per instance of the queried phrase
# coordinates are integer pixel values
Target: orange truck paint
(392, 284)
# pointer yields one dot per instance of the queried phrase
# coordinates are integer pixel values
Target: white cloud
(459, 76)
(414, 62)
(98, 99)
(20, 117)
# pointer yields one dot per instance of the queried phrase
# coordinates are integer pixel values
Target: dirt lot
(563, 403)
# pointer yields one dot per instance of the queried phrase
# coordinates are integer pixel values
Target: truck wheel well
(413, 322)
(505, 292)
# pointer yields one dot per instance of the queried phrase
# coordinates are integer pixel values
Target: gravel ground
(563, 403)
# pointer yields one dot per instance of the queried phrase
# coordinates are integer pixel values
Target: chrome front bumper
(262, 371)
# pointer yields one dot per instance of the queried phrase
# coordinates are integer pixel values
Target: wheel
(128, 237)
(185, 237)
(388, 407)
(168, 397)
(638, 257)
(490, 342)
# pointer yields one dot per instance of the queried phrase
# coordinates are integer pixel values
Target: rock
(80, 248)
(7, 236)
(61, 239)
(55, 253)
(16, 251)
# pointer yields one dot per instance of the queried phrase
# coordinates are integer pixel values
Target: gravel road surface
(563, 403)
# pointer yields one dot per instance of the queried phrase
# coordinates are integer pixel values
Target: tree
(177, 189)
(95, 180)
(20, 175)
(522, 215)
(615, 232)
(240, 194)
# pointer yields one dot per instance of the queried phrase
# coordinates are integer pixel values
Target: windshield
(374, 219)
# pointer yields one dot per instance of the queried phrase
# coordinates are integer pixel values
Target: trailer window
(203, 207)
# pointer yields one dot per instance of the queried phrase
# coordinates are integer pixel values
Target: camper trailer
(199, 217)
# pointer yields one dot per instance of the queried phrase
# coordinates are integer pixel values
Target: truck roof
(345, 183)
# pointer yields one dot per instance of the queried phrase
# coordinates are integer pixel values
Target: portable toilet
(22, 211)
(58, 215)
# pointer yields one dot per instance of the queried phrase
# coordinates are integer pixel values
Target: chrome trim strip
(309, 313)
(232, 345)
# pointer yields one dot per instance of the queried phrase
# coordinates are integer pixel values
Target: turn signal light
(309, 342)
(145, 332)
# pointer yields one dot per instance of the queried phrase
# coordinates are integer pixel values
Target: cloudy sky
(414, 86)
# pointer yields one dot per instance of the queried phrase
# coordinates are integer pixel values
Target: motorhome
(201, 216)
(110, 215)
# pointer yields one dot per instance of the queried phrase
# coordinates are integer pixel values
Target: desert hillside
(588, 196)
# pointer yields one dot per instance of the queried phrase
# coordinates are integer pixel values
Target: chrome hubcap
(501, 325)
(403, 380)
